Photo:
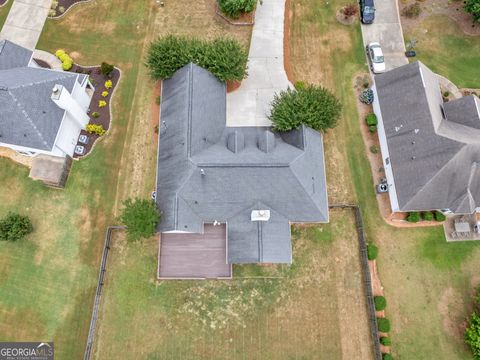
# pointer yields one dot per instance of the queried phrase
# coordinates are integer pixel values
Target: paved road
(387, 30)
(250, 104)
(25, 22)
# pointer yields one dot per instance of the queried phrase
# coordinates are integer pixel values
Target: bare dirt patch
(451, 306)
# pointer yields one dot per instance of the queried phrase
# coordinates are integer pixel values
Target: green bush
(95, 114)
(383, 325)
(374, 149)
(439, 216)
(14, 227)
(385, 341)
(140, 217)
(427, 216)
(300, 85)
(387, 357)
(380, 303)
(235, 8)
(225, 58)
(371, 119)
(95, 129)
(413, 216)
(106, 69)
(372, 128)
(372, 252)
(59, 53)
(473, 7)
(313, 106)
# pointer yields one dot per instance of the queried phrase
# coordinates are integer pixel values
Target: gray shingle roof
(433, 158)
(29, 117)
(209, 172)
(13, 55)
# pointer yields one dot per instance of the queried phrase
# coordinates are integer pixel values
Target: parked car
(367, 11)
(376, 58)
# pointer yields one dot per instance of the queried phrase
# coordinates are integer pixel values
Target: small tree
(106, 69)
(385, 341)
(141, 218)
(15, 227)
(372, 252)
(387, 356)
(439, 216)
(473, 7)
(314, 106)
(383, 325)
(413, 216)
(427, 216)
(380, 303)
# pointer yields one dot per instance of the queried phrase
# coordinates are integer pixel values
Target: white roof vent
(260, 215)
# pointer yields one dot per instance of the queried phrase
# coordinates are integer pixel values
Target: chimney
(65, 101)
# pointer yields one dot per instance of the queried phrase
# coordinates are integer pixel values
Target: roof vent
(236, 141)
(260, 215)
(266, 141)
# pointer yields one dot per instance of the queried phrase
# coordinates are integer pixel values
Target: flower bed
(102, 113)
(62, 6)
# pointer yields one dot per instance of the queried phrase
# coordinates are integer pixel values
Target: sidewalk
(25, 22)
(250, 104)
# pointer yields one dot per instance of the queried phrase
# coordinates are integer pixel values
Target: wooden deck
(194, 256)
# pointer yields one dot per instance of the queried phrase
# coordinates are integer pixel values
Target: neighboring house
(42, 110)
(251, 179)
(430, 148)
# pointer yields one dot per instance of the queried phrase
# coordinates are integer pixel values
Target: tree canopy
(15, 227)
(313, 106)
(141, 218)
(473, 7)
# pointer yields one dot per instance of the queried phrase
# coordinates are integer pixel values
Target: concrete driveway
(387, 30)
(250, 104)
(25, 21)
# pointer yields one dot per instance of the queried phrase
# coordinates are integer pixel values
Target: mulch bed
(3, 2)
(64, 5)
(42, 64)
(98, 81)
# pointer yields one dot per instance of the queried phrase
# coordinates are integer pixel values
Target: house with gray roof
(252, 180)
(430, 148)
(43, 110)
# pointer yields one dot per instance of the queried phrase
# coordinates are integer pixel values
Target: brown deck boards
(194, 255)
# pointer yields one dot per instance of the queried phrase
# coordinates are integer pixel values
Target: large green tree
(313, 106)
(473, 7)
(15, 227)
(141, 218)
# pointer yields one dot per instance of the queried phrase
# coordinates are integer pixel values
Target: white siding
(67, 136)
(81, 95)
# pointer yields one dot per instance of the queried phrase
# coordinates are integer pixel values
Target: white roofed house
(43, 112)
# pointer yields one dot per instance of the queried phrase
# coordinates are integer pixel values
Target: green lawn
(443, 47)
(4, 12)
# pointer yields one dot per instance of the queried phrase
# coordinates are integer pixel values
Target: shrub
(52, 12)
(472, 334)
(102, 103)
(64, 57)
(412, 11)
(446, 94)
(106, 69)
(95, 114)
(104, 93)
(383, 325)
(439, 216)
(387, 357)
(385, 341)
(372, 252)
(413, 216)
(427, 216)
(67, 65)
(54, 4)
(473, 7)
(95, 129)
(235, 8)
(371, 119)
(225, 58)
(14, 227)
(350, 10)
(141, 218)
(374, 149)
(380, 303)
(157, 100)
(61, 9)
(372, 128)
(108, 84)
(366, 96)
(300, 85)
(314, 106)
(59, 53)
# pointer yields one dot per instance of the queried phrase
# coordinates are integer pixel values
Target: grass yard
(4, 12)
(443, 47)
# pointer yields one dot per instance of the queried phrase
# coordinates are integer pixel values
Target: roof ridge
(63, 74)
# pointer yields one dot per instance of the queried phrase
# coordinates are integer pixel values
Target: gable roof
(13, 55)
(209, 172)
(433, 147)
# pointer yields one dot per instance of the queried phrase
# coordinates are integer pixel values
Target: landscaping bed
(3, 2)
(104, 114)
(42, 64)
(62, 7)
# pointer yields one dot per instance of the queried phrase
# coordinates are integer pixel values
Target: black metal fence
(96, 303)
(362, 244)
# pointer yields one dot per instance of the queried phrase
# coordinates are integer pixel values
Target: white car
(376, 58)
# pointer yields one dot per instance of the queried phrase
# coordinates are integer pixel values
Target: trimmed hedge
(372, 252)
(225, 58)
(413, 217)
(439, 216)
(235, 8)
(380, 303)
(383, 325)
(385, 341)
(371, 119)
(427, 216)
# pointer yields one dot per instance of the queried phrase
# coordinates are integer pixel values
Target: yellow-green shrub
(102, 103)
(95, 129)
(108, 84)
(59, 53)
(104, 93)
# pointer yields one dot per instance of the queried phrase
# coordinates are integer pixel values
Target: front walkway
(25, 21)
(250, 104)
(387, 30)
